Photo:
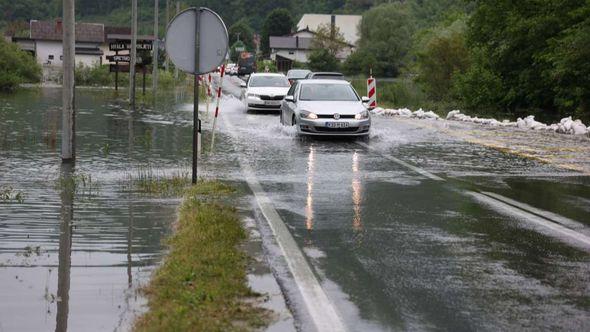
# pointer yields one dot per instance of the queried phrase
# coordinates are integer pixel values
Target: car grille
(337, 130)
(271, 97)
(331, 116)
(264, 106)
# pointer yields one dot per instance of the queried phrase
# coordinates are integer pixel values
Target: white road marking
(322, 311)
(402, 163)
(567, 222)
(554, 225)
(553, 229)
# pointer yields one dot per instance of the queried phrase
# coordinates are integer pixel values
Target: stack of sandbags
(565, 126)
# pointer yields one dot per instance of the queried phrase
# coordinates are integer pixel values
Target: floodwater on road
(501, 243)
(498, 243)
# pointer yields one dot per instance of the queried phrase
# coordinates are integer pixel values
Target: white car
(326, 108)
(264, 91)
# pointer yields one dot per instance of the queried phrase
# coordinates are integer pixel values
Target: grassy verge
(201, 285)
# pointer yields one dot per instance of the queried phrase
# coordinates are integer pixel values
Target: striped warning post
(372, 92)
(221, 74)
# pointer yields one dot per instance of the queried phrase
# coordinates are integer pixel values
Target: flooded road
(412, 230)
(464, 238)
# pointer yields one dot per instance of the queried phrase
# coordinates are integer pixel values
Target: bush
(322, 60)
(16, 67)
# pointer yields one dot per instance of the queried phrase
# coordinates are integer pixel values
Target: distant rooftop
(53, 30)
(290, 42)
(347, 24)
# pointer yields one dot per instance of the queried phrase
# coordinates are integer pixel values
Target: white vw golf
(264, 91)
(326, 107)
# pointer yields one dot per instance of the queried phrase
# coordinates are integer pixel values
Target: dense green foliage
(279, 22)
(321, 59)
(16, 67)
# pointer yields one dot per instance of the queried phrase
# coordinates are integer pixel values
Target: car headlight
(309, 115)
(253, 95)
(362, 115)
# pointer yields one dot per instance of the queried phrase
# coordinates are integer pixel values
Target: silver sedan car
(325, 107)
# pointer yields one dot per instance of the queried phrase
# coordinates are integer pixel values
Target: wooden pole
(167, 21)
(68, 124)
(156, 49)
(133, 53)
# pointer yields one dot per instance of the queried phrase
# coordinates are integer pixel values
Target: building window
(50, 57)
(61, 57)
(291, 52)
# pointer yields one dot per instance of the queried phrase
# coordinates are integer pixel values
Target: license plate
(337, 124)
(272, 102)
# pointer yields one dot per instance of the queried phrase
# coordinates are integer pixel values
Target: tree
(522, 43)
(321, 59)
(16, 66)
(325, 38)
(386, 32)
(278, 23)
(245, 32)
(441, 55)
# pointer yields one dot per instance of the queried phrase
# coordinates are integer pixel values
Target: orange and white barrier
(221, 75)
(372, 92)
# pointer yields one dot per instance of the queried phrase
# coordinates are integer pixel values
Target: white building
(296, 46)
(46, 42)
(347, 24)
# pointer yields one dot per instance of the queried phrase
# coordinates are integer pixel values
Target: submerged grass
(201, 285)
(146, 180)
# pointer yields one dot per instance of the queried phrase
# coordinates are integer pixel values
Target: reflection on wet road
(396, 248)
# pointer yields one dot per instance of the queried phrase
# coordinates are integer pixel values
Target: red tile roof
(85, 32)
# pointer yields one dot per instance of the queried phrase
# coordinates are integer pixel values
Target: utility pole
(167, 21)
(68, 123)
(156, 47)
(133, 53)
(176, 68)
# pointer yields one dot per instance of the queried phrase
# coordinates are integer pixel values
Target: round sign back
(213, 40)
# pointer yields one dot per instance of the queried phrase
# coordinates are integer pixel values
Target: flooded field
(76, 242)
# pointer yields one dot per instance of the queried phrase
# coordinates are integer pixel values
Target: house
(347, 24)
(45, 42)
(297, 46)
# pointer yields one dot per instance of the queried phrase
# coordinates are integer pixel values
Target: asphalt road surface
(418, 230)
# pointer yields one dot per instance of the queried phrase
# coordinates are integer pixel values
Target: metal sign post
(210, 47)
(196, 121)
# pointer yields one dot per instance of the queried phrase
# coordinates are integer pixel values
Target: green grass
(201, 285)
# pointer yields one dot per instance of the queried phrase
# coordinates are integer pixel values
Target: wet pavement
(394, 249)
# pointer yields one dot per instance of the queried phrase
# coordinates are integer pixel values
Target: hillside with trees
(517, 57)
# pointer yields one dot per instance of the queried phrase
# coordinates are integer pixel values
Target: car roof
(312, 81)
(267, 74)
(327, 73)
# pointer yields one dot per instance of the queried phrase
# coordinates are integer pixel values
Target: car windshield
(333, 92)
(269, 81)
(297, 73)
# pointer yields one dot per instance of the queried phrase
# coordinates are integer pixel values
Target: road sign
(197, 43)
(213, 40)
(122, 45)
(122, 58)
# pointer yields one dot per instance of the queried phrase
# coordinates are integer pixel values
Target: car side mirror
(365, 99)
(289, 99)
(243, 85)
